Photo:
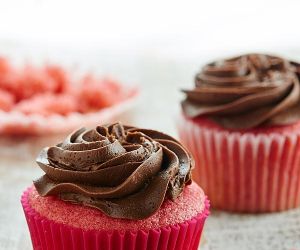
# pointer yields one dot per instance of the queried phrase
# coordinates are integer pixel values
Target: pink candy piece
(49, 100)
(7, 100)
(47, 104)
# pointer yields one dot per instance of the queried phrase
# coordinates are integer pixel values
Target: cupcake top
(246, 92)
(126, 172)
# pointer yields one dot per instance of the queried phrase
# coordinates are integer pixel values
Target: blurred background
(158, 45)
(153, 43)
(169, 28)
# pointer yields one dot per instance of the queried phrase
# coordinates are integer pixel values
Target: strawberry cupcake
(115, 187)
(242, 124)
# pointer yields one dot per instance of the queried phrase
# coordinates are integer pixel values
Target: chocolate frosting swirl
(126, 172)
(246, 91)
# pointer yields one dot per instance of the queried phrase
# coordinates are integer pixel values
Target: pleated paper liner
(48, 234)
(245, 172)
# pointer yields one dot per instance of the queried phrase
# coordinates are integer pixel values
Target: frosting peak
(125, 172)
(246, 91)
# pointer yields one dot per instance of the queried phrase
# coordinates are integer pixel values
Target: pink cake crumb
(47, 104)
(6, 100)
(189, 204)
(98, 93)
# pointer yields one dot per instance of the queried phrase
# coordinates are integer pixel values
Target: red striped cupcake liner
(48, 234)
(244, 171)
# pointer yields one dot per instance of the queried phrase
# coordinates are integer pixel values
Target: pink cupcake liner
(48, 234)
(17, 123)
(244, 171)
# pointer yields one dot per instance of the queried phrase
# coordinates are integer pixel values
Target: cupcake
(115, 187)
(242, 124)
